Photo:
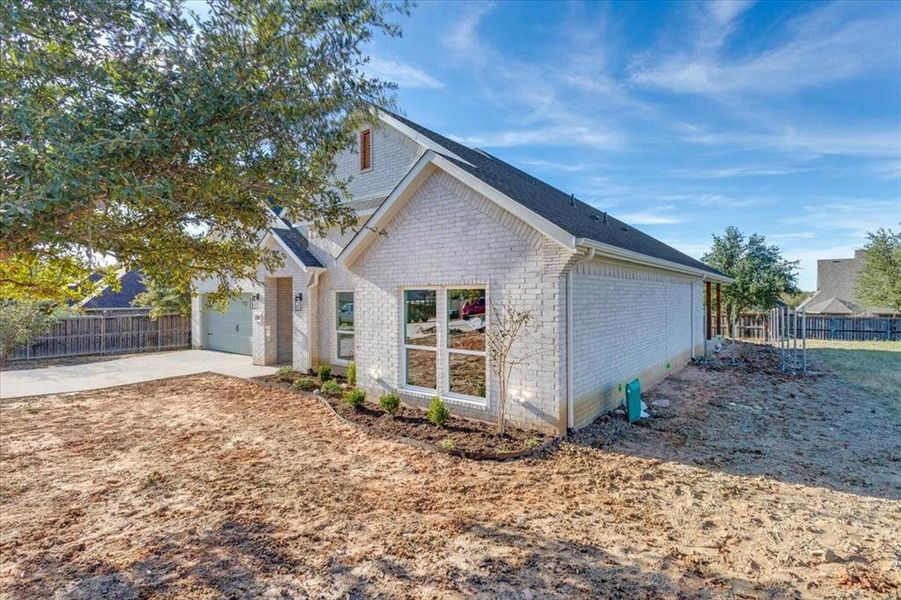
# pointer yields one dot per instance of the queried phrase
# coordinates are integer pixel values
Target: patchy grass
(750, 484)
(872, 366)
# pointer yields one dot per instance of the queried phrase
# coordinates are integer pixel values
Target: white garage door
(230, 331)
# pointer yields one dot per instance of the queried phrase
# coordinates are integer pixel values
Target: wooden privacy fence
(109, 334)
(754, 326)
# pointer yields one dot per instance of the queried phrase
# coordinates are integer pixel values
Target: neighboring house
(105, 299)
(449, 230)
(837, 288)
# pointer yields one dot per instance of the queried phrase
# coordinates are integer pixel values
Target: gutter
(643, 259)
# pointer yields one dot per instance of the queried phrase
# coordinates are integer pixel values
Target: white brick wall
(392, 156)
(449, 235)
(628, 322)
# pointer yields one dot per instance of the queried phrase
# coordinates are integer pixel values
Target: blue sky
(681, 119)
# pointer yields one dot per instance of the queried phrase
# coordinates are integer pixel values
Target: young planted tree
(139, 132)
(879, 282)
(506, 326)
(760, 272)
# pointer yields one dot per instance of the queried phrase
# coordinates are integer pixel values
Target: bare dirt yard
(748, 484)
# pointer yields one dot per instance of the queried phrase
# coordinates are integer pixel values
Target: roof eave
(643, 259)
(291, 253)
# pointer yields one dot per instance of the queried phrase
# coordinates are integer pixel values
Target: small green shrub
(438, 413)
(325, 373)
(447, 444)
(352, 373)
(390, 403)
(533, 442)
(285, 374)
(355, 398)
(304, 384)
(154, 478)
(330, 388)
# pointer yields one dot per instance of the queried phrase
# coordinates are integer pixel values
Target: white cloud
(828, 45)
(726, 11)
(885, 141)
(847, 216)
(548, 165)
(730, 172)
(890, 169)
(404, 75)
(463, 38)
(798, 235)
(721, 200)
(649, 218)
(553, 135)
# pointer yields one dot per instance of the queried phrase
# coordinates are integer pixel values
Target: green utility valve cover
(633, 400)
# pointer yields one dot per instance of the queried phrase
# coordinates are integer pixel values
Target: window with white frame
(462, 349)
(344, 326)
(421, 339)
(466, 320)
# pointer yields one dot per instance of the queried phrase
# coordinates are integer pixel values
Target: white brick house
(449, 231)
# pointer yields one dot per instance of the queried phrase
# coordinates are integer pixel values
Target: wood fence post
(719, 310)
(709, 302)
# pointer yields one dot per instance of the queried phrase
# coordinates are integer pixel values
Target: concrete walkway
(109, 373)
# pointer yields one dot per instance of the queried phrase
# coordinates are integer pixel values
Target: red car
(473, 308)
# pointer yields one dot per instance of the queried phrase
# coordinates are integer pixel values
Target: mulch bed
(464, 437)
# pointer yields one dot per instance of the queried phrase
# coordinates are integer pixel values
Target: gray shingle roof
(574, 216)
(132, 285)
(298, 244)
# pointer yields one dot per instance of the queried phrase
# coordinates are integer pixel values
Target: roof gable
(424, 167)
(580, 220)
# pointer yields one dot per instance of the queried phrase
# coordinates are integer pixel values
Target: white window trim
(336, 360)
(442, 352)
(415, 389)
(448, 350)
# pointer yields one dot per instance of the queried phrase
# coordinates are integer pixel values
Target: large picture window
(344, 325)
(466, 320)
(421, 338)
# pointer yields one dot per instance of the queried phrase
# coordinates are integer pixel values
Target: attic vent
(624, 228)
(365, 149)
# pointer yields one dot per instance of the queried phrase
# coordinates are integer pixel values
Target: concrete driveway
(109, 373)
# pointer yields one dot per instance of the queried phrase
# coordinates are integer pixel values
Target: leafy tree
(760, 272)
(794, 300)
(879, 281)
(142, 133)
(21, 322)
(163, 300)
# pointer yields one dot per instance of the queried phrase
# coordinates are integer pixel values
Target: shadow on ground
(748, 418)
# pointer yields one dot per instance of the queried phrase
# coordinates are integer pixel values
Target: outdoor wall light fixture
(255, 301)
(297, 300)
